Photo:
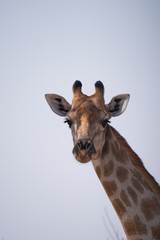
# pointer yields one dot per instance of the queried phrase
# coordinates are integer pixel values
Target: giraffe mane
(137, 162)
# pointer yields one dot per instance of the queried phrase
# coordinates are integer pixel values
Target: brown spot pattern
(108, 168)
(140, 227)
(136, 174)
(143, 182)
(124, 198)
(129, 227)
(137, 185)
(118, 153)
(156, 232)
(150, 207)
(107, 147)
(98, 171)
(119, 207)
(132, 194)
(122, 174)
(110, 187)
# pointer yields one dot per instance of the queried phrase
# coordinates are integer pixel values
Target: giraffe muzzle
(83, 150)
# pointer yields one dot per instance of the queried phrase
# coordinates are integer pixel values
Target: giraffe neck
(133, 192)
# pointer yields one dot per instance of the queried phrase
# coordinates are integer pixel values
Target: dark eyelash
(68, 121)
(105, 122)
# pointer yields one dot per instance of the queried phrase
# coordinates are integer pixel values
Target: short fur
(138, 163)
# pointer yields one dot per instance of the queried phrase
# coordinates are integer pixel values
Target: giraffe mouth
(83, 150)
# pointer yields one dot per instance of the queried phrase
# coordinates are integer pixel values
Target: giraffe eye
(69, 122)
(104, 123)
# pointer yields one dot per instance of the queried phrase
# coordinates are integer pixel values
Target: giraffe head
(88, 117)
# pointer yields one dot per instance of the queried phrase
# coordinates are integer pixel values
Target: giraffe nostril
(84, 144)
(79, 144)
(87, 145)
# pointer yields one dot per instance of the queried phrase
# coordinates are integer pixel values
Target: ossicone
(99, 87)
(77, 87)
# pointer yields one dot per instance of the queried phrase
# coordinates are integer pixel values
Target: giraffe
(133, 192)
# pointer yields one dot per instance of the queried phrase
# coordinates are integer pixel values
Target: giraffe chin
(83, 153)
(82, 158)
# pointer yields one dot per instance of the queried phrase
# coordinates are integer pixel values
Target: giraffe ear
(117, 105)
(58, 104)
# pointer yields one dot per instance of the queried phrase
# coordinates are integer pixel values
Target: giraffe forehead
(84, 120)
(83, 126)
(87, 111)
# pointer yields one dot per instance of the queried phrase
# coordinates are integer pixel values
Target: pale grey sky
(44, 47)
